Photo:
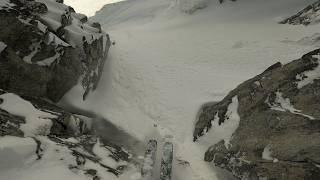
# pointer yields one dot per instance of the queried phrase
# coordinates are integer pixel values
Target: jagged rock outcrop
(279, 130)
(307, 16)
(49, 48)
(51, 127)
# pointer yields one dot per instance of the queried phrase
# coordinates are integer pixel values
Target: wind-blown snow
(37, 122)
(165, 64)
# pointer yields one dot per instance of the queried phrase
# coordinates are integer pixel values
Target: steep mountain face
(278, 133)
(47, 48)
(307, 16)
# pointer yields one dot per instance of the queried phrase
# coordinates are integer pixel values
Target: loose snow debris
(308, 77)
(37, 122)
(284, 105)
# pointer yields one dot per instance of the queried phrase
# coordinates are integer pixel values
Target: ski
(166, 162)
(149, 160)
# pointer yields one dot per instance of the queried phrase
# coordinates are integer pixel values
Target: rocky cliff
(308, 15)
(279, 128)
(47, 48)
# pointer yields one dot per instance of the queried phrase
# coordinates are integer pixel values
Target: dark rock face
(279, 111)
(47, 54)
(306, 16)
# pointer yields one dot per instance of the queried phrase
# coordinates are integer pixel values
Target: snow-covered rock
(46, 48)
(307, 16)
(43, 140)
(278, 133)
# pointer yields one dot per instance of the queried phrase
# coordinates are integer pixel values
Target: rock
(306, 16)
(279, 113)
(49, 59)
(69, 132)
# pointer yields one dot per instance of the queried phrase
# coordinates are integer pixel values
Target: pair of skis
(150, 161)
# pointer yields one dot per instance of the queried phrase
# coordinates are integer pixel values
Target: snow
(88, 7)
(166, 64)
(284, 105)
(37, 122)
(105, 156)
(35, 47)
(3, 46)
(49, 61)
(308, 77)
(14, 151)
(267, 154)
(5, 3)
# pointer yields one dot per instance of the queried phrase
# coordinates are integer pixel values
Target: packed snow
(166, 63)
(14, 151)
(3, 46)
(36, 122)
(267, 153)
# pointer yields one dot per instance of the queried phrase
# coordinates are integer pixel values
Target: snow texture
(37, 122)
(165, 64)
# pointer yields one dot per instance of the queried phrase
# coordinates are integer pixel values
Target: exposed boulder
(279, 130)
(307, 16)
(71, 135)
(49, 50)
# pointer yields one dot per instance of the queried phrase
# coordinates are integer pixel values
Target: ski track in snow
(164, 67)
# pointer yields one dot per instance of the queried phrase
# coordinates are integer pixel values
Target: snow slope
(166, 63)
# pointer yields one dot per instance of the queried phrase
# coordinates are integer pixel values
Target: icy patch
(267, 153)
(15, 150)
(37, 122)
(3, 46)
(308, 77)
(284, 105)
(225, 130)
